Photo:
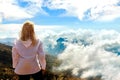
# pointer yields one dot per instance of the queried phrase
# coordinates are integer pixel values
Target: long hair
(28, 32)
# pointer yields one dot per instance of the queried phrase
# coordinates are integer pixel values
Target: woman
(28, 55)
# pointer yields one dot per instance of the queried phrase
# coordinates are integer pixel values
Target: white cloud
(12, 30)
(102, 10)
(9, 30)
(12, 9)
(0, 18)
(110, 14)
(90, 9)
(35, 7)
(88, 60)
(9, 27)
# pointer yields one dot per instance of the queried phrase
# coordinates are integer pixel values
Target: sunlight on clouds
(90, 73)
(14, 29)
(51, 27)
(34, 7)
(96, 9)
(91, 60)
(17, 27)
(110, 14)
(0, 18)
(101, 10)
(12, 9)
(9, 27)
(9, 30)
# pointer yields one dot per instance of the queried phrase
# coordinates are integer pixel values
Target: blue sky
(88, 14)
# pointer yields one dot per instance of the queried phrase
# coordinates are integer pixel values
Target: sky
(88, 14)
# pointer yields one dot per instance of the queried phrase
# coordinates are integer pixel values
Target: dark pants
(36, 76)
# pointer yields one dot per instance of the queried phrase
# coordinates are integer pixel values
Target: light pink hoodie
(28, 59)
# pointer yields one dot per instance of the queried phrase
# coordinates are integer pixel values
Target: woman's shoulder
(39, 41)
(17, 41)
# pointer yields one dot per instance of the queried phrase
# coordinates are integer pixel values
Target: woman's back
(28, 58)
(28, 55)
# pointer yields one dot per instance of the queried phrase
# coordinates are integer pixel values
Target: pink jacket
(28, 59)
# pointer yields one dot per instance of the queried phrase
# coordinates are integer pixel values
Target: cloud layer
(87, 53)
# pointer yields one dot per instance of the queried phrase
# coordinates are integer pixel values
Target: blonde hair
(28, 32)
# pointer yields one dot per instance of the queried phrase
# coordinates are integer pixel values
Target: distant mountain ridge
(7, 41)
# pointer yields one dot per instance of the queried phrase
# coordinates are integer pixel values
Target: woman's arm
(41, 56)
(15, 57)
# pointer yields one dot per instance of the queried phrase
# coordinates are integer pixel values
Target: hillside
(5, 55)
(5, 62)
(6, 71)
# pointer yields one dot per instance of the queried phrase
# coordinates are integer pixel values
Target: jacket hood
(27, 43)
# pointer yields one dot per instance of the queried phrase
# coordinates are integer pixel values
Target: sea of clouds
(87, 53)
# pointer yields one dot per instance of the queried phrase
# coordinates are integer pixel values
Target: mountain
(5, 55)
(59, 47)
(6, 71)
